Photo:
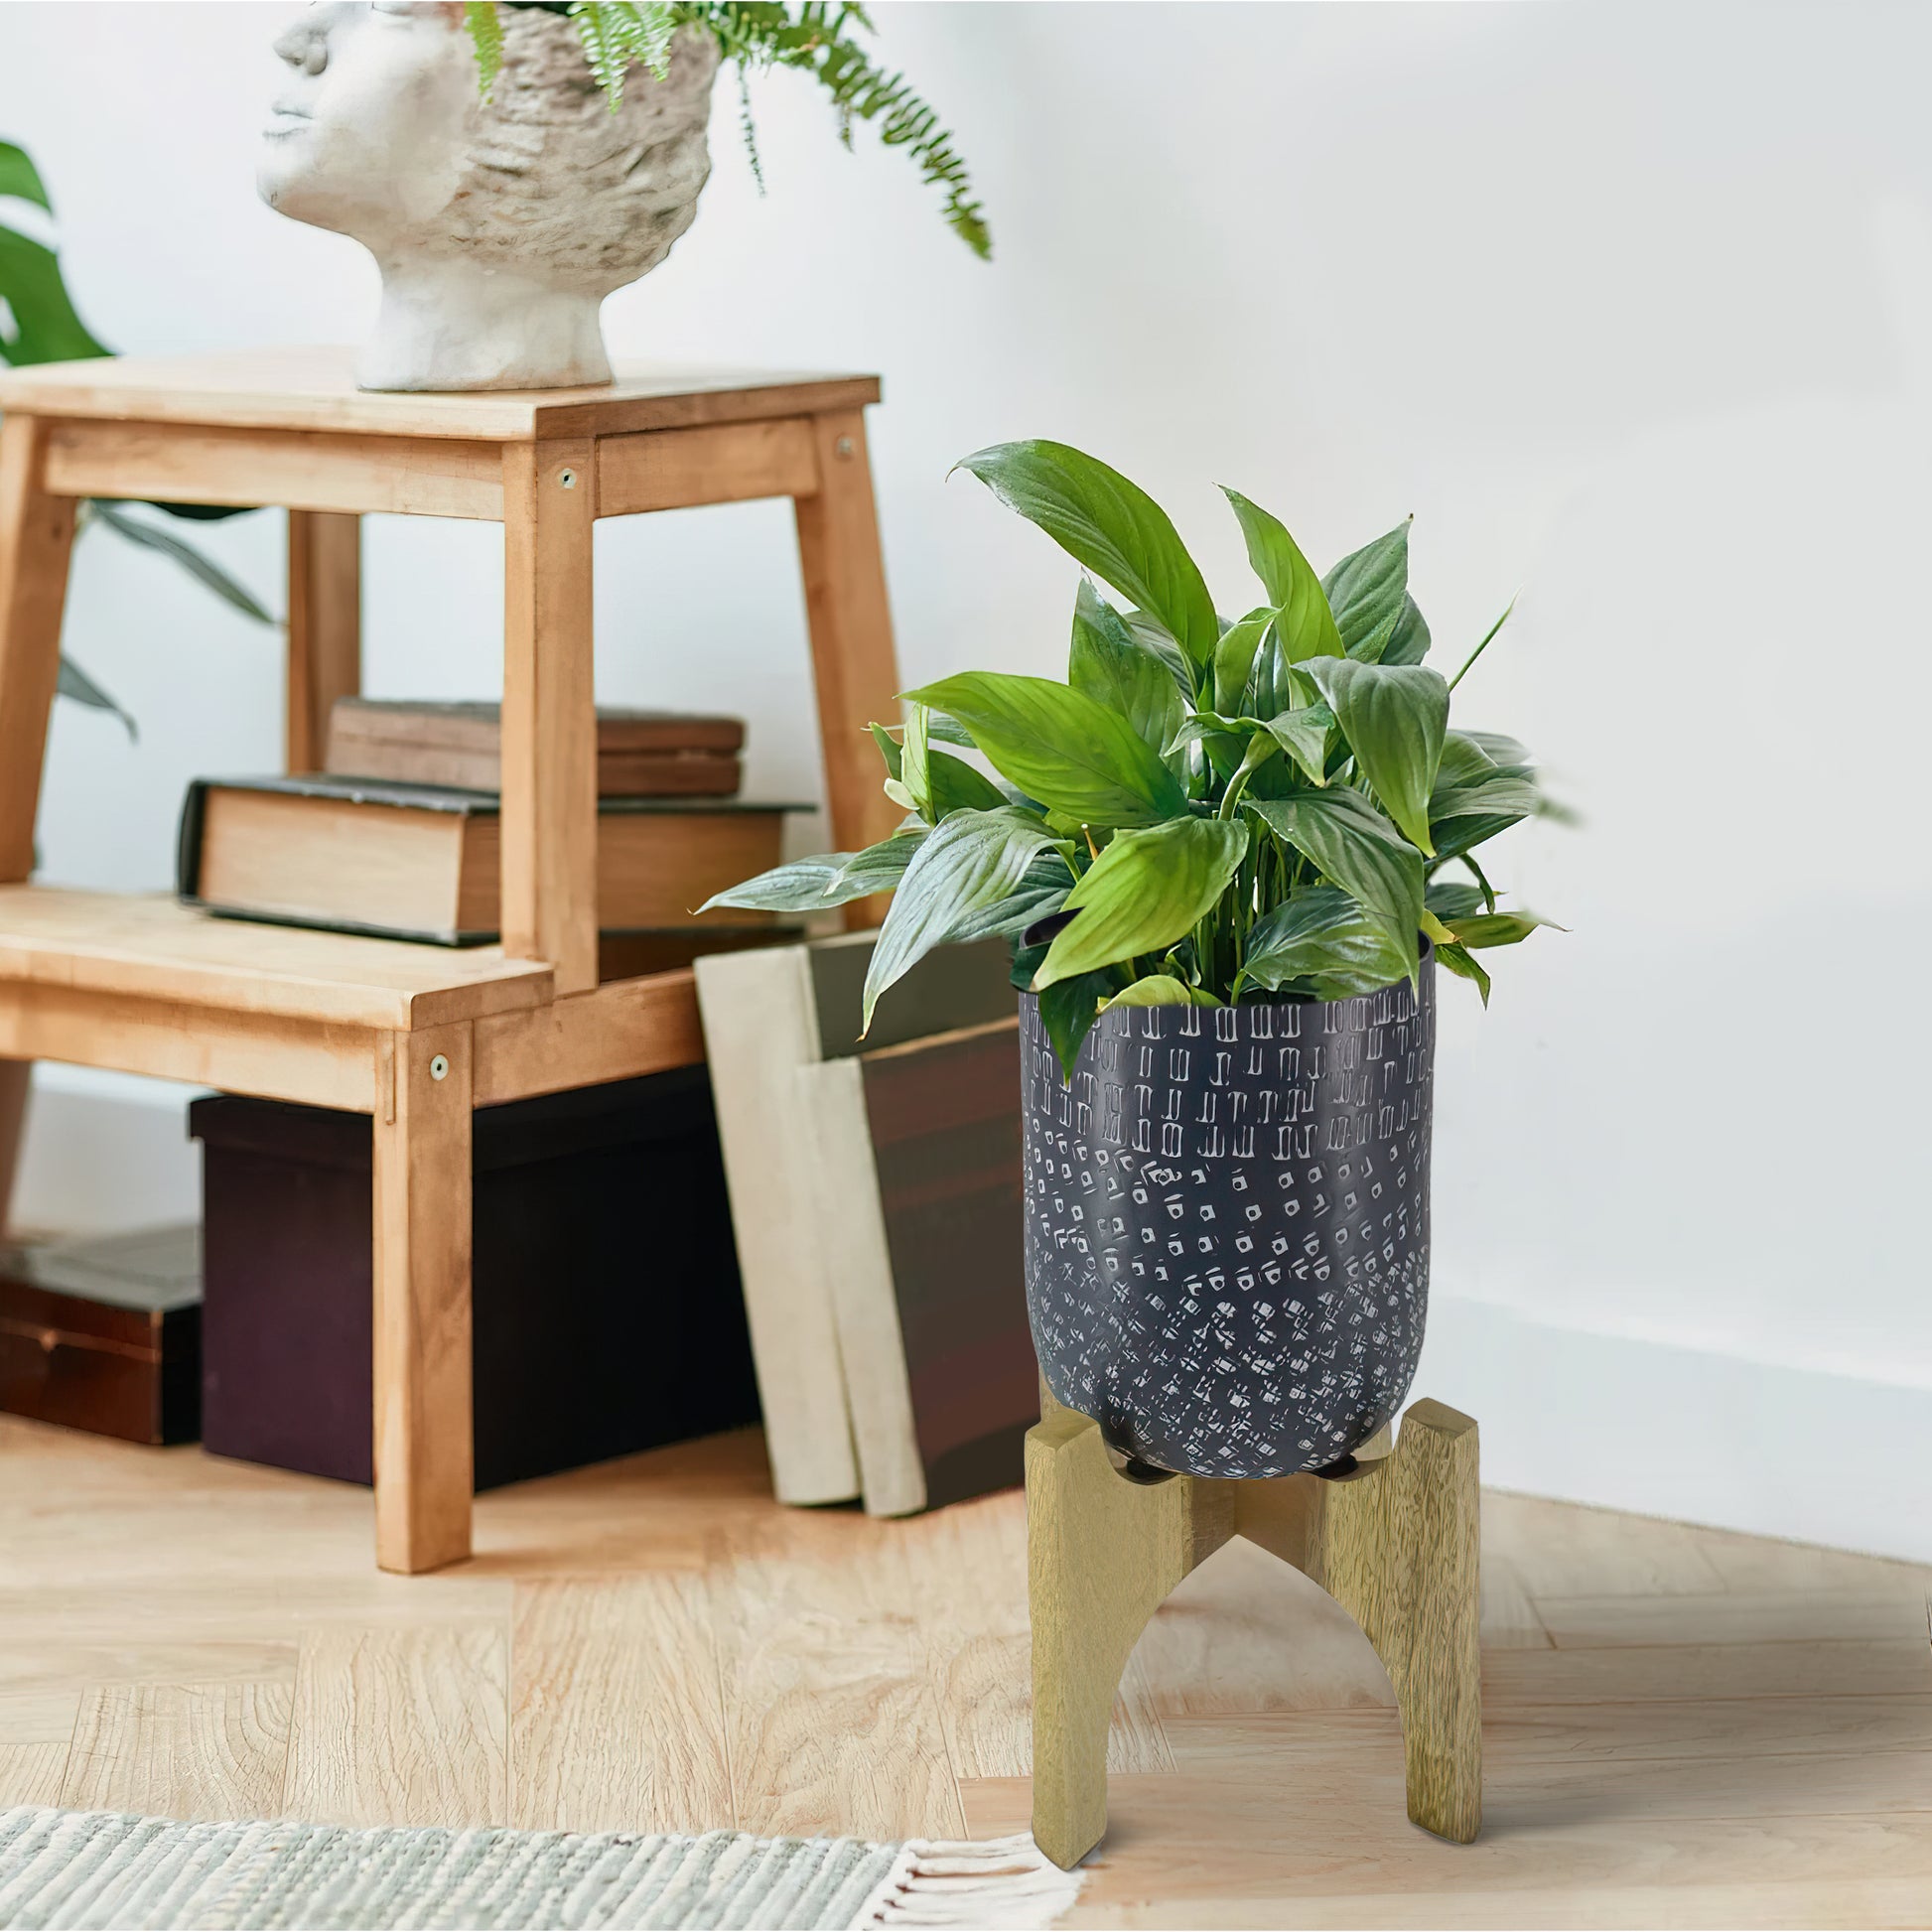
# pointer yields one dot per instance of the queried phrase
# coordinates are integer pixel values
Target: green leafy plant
(1206, 811)
(39, 324)
(815, 38)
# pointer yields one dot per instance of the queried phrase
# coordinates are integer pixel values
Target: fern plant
(1206, 811)
(815, 38)
(39, 324)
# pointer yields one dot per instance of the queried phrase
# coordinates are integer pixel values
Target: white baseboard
(1623, 1422)
(1634, 1424)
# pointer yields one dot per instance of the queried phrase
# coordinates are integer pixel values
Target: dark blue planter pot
(1227, 1224)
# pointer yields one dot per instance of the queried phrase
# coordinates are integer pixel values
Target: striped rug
(80, 1869)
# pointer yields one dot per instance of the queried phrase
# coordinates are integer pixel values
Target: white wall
(1632, 306)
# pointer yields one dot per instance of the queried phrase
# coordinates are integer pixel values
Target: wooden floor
(1682, 1727)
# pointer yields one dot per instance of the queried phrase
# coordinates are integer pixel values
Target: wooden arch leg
(1103, 1552)
(1398, 1548)
(1395, 1544)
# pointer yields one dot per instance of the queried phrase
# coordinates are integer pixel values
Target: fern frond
(748, 127)
(486, 36)
(606, 64)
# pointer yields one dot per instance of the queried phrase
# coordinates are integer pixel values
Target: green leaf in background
(959, 787)
(1109, 524)
(20, 178)
(1108, 663)
(1351, 845)
(965, 864)
(1464, 762)
(941, 729)
(1146, 891)
(205, 569)
(1161, 990)
(1466, 967)
(74, 683)
(1060, 747)
(45, 328)
(1324, 938)
(1394, 717)
(1234, 658)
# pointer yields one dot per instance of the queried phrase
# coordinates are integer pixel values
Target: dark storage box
(103, 1333)
(608, 1316)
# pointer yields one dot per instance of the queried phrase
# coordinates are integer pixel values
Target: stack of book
(876, 1195)
(400, 836)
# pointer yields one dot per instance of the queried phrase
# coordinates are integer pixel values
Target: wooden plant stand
(415, 1036)
(1394, 1543)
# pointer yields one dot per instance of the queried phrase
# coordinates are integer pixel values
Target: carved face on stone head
(499, 225)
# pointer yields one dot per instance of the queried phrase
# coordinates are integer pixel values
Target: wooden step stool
(1394, 1541)
(415, 1036)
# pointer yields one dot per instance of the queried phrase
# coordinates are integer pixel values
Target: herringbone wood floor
(1682, 1727)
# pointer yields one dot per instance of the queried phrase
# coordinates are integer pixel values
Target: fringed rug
(96, 1868)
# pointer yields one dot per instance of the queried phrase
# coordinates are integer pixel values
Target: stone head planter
(499, 225)
(1227, 1224)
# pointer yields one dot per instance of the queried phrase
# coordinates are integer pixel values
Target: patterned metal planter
(1227, 1224)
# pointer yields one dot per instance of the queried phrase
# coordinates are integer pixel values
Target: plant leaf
(1452, 900)
(1354, 847)
(1496, 928)
(912, 774)
(1155, 635)
(965, 866)
(799, 887)
(1062, 747)
(1146, 891)
(1326, 938)
(20, 178)
(74, 683)
(45, 326)
(1369, 593)
(1234, 658)
(203, 569)
(1394, 717)
(1161, 990)
(1068, 1009)
(1304, 736)
(1466, 967)
(1109, 524)
(1108, 663)
(1305, 627)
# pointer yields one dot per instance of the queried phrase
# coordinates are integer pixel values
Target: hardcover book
(639, 754)
(423, 862)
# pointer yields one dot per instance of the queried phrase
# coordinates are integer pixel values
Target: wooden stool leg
(324, 656)
(549, 731)
(855, 672)
(15, 1076)
(1398, 1548)
(1102, 1554)
(36, 540)
(424, 1466)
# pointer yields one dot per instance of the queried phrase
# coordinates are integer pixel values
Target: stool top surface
(315, 390)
